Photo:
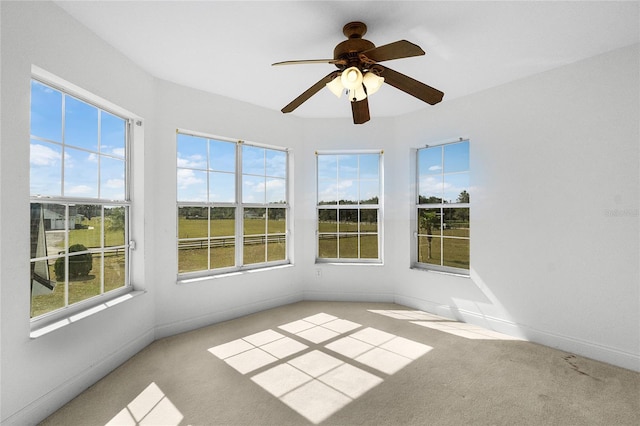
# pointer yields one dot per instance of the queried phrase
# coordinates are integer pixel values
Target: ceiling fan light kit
(372, 82)
(336, 87)
(357, 86)
(351, 78)
(360, 75)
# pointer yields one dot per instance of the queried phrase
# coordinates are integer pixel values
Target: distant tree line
(372, 200)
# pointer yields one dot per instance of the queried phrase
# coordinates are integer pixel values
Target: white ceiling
(227, 47)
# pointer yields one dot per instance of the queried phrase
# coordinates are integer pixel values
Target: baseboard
(338, 296)
(47, 404)
(188, 324)
(587, 349)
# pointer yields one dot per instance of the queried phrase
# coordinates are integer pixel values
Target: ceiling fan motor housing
(349, 49)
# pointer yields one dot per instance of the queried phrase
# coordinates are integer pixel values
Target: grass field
(83, 287)
(89, 235)
(337, 240)
(444, 251)
(345, 246)
(195, 258)
(192, 254)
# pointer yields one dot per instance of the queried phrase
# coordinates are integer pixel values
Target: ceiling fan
(360, 74)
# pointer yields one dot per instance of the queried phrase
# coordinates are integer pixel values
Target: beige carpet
(336, 363)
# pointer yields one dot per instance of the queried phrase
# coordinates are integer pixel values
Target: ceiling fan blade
(360, 110)
(310, 92)
(312, 61)
(396, 50)
(408, 85)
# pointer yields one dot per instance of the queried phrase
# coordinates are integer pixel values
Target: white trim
(608, 354)
(426, 267)
(240, 207)
(194, 276)
(415, 172)
(341, 296)
(75, 312)
(348, 151)
(196, 322)
(359, 207)
(226, 139)
(61, 84)
(444, 142)
(51, 401)
(67, 89)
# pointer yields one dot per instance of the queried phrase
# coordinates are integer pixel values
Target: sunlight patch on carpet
(315, 383)
(150, 407)
(435, 322)
(468, 331)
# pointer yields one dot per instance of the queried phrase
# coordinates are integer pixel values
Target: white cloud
(118, 151)
(192, 161)
(187, 178)
(275, 183)
(276, 162)
(271, 185)
(44, 156)
(341, 190)
(431, 185)
(78, 190)
(114, 183)
(435, 168)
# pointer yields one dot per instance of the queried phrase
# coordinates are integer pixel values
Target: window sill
(189, 280)
(366, 263)
(48, 328)
(435, 271)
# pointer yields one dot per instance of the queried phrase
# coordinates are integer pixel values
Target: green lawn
(193, 257)
(454, 252)
(444, 251)
(84, 287)
(88, 233)
(345, 246)
(197, 228)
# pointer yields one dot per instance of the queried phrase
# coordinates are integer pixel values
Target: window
(443, 207)
(79, 199)
(348, 206)
(232, 204)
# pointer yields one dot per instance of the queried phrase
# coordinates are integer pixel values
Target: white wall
(40, 374)
(554, 215)
(188, 305)
(338, 281)
(555, 235)
(554, 239)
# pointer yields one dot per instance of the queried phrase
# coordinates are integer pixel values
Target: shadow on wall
(488, 312)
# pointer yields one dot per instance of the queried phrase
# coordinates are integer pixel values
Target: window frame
(443, 205)
(69, 90)
(359, 207)
(240, 208)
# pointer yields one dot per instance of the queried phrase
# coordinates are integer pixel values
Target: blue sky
(201, 160)
(348, 177)
(443, 171)
(94, 147)
(91, 159)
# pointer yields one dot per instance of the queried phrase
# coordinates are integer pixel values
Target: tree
(429, 200)
(429, 220)
(79, 265)
(89, 210)
(463, 197)
(114, 218)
